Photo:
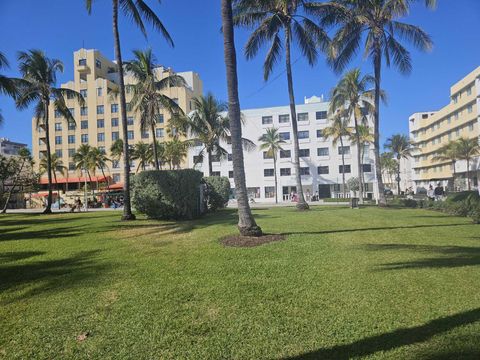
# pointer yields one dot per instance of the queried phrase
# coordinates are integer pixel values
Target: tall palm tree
(401, 148)
(378, 20)
(100, 161)
(354, 93)
(38, 86)
(144, 154)
(175, 151)
(7, 85)
(338, 130)
(246, 222)
(448, 152)
(467, 150)
(116, 149)
(362, 136)
(147, 98)
(83, 161)
(272, 143)
(160, 154)
(24, 157)
(57, 166)
(138, 11)
(296, 20)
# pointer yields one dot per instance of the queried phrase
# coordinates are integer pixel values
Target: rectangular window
(266, 155)
(115, 135)
(304, 171)
(102, 149)
(347, 169)
(285, 154)
(71, 152)
(82, 62)
(283, 119)
(98, 63)
(58, 140)
(70, 96)
(470, 127)
(160, 119)
(115, 164)
(83, 92)
(72, 111)
(84, 124)
(100, 123)
(197, 159)
(71, 166)
(302, 117)
(100, 109)
(159, 133)
(101, 137)
(145, 134)
(215, 158)
(284, 135)
(114, 108)
(269, 192)
(469, 91)
(322, 151)
(321, 115)
(229, 157)
(230, 174)
(345, 150)
(303, 134)
(71, 139)
(57, 113)
(304, 152)
(216, 173)
(116, 178)
(114, 122)
(268, 172)
(322, 170)
(84, 111)
(319, 133)
(470, 109)
(99, 91)
(129, 120)
(267, 120)
(130, 135)
(58, 126)
(84, 138)
(285, 171)
(367, 168)
(129, 106)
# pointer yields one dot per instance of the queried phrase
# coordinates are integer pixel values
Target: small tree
(353, 185)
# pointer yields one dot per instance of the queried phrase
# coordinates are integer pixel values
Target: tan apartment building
(431, 130)
(98, 122)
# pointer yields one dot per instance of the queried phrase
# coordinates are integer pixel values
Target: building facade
(98, 122)
(320, 160)
(10, 148)
(429, 131)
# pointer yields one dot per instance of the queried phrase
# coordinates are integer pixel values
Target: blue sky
(194, 25)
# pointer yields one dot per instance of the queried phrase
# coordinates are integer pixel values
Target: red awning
(41, 194)
(117, 186)
(74, 180)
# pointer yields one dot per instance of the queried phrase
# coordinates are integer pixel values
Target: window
(145, 134)
(302, 117)
(57, 113)
(322, 170)
(367, 168)
(319, 133)
(114, 108)
(72, 111)
(282, 119)
(83, 92)
(304, 152)
(322, 151)
(197, 159)
(70, 96)
(129, 120)
(160, 119)
(159, 133)
(216, 173)
(269, 192)
(469, 91)
(84, 138)
(215, 158)
(347, 169)
(82, 62)
(455, 99)
(230, 174)
(470, 127)
(285, 154)
(71, 166)
(449, 119)
(345, 150)
(304, 171)
(115, 135)
(129, 106)
(267, 155)
(115, 164)
(58, 126)
(71, 139)
(102, 149)
(268, 172)
(101, 137)
(58, 140)
(267, 120)
(98, 63)
(303, 134)
(100, 109)
(285, 171)
(71, 152)
(114, 122)
(470, 109)
(456, 116)
(99, 91)
(321, 115)
(229, 157)
(284, 135)
(130, 135)
(84, 111)
(84, 124)
(100, 123)
(424, 116)
(116, 178)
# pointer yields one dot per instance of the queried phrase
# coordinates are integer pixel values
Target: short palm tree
(401, 148)
(364, 137)
(147, 100)
(57, 167)
(116, 150)
(467, 150)
(388, 166)
(296, 20)
(448, 152)
(100, 161)
(272, 143)
(337, 131)
(138, 11)
(143, 153)
(378, 20)
(246, 222)
(7, 85)
(175, 151)
(38, 87)
(83, 161)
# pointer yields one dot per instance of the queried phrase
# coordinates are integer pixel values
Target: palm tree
(100, 160)
(7, 85)
(401, 148)
(147, 98)
(116, 149)
(138, 11)
(448, 152)
(467, 150)
(353, 91)
(24, 157)
(268, 19)
(37, 86)
(337, 131)
(83, 161)
(143, 152)
(272, 143)
(362, 136)
(160, 154)
(378, 20)
(175, 151)
(388, 165)
(56, 164)
(246, 222)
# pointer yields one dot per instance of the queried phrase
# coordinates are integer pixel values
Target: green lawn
(369, 283)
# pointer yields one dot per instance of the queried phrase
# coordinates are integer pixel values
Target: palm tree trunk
(275, 174)
(398, 176)
(454, 174)
(210, 166)
(301, 204)
(48, 208)
(10, 191)
(359, 157)
(246, 223)
(363, 174)
(155, 154)
(376, 127)
(468, 174)
(343, 172)
(58, 190)
(127, 209)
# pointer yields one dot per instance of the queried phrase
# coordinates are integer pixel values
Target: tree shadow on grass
(18, 255)
(43, 233)
(450, 256)
(43, 276)
(41, 219)
(394, 339)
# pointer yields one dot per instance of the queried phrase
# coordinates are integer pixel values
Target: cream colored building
(431, 130)
(98, 122)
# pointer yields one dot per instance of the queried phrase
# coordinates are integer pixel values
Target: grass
(370, 283)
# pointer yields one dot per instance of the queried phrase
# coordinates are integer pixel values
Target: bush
(474, 213)
(168, 194)
(218, 192)
(408, 203)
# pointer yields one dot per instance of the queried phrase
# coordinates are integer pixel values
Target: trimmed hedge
(218, 192)
(168, 194)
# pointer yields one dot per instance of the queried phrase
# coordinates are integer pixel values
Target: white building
(10, 148)
(320, 160)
